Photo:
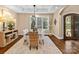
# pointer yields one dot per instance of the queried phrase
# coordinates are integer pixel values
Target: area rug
(48, 48)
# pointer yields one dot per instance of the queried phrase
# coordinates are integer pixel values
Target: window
(42, 23)
(45, 23)
(39, 22)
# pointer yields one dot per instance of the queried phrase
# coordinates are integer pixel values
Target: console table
(6, 37)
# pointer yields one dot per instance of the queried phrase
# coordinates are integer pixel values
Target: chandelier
(34, 11)
(33, 24)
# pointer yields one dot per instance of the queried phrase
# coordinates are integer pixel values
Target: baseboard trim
(58, 42)
(61, 38)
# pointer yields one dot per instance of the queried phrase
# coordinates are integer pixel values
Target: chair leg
(25, 42)
(37, 47)
(30, 47)
(43, 42)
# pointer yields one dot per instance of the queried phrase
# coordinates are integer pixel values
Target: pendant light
(33, 20)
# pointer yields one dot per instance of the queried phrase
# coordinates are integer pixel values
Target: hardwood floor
(3, 49)
(59, 43)
(71, 47)
(67, 46)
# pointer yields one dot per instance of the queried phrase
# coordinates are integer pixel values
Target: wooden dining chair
(33, 38)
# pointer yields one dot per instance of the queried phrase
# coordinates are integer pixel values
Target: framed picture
(55, 21)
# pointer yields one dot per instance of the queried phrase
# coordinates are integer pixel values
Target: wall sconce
(2, 20)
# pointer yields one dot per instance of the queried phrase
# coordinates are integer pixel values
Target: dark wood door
(76, 26)
(71, 26)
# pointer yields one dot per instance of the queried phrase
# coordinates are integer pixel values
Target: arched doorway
(71, 26)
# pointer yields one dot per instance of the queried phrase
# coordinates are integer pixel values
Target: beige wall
(59, 27)
(14, 14)
(56, 27)
(24, 21)
(71, 9)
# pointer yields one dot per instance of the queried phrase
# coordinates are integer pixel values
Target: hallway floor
(66, 46)
(48, 48)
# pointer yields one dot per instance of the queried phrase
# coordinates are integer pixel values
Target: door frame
(72, 30)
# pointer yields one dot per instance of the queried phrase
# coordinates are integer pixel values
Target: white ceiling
(38, 8)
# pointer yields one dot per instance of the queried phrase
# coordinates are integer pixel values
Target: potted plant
(11, 25)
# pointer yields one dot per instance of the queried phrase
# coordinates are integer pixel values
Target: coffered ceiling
(38, 8)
